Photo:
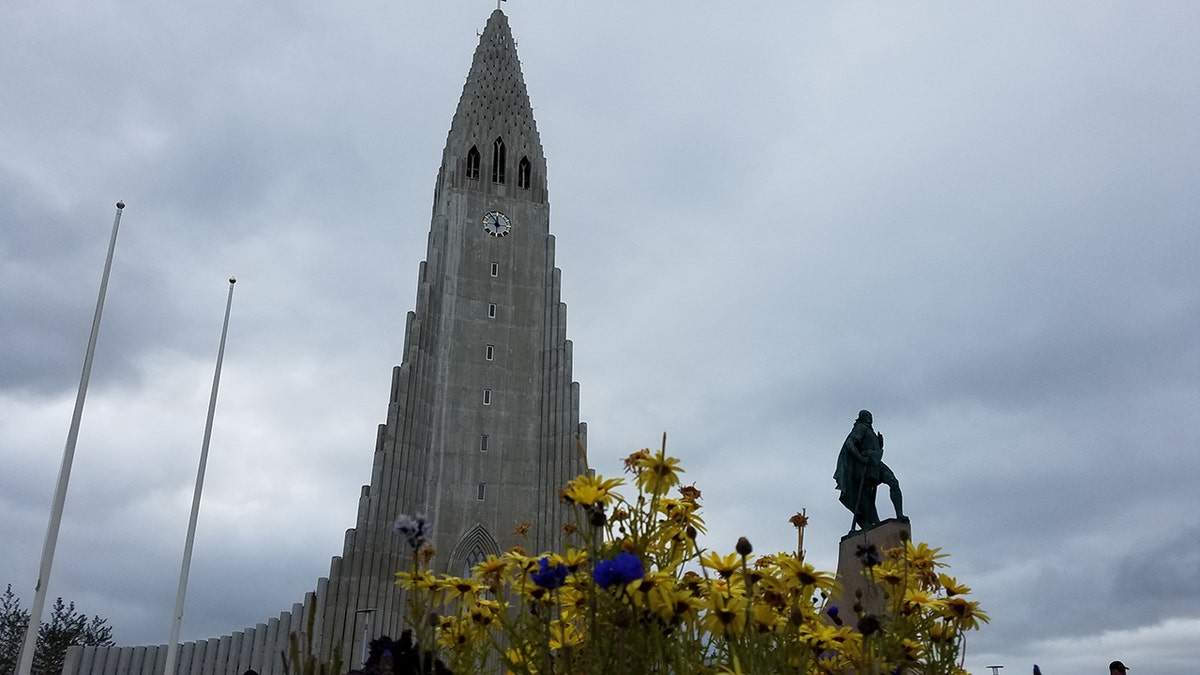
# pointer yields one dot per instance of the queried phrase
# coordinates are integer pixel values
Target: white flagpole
(64, 472)
(177, 617)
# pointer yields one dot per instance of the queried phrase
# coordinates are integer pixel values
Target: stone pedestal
(887, 534)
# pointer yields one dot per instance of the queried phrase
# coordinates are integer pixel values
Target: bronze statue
(860, 470)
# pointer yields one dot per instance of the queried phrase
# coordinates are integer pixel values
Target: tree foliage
(13, 620)
(66, 628)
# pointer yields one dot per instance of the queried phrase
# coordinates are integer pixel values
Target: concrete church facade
(483, 422)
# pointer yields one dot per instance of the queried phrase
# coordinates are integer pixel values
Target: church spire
(495, 106)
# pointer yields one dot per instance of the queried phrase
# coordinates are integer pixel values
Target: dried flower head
(800, 520)
(690, 492)
(426, 554)
(631, 462)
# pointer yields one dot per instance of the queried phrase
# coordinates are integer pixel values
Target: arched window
(473, 163)
(498, 159)
(475, 557)
(523, 171)
(472, 549)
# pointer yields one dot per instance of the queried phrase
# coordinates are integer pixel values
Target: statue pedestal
(887, 534)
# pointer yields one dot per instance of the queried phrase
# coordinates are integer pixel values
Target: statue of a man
(860, 470)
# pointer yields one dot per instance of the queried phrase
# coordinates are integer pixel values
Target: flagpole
(64, 472)
(177, 617)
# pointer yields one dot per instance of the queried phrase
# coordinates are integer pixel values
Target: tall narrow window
(489, 352)
(487, 396)
(483, 442)
(473, 559)
(480, 491)
(523, 171)
(473, 163)
(491, 311)
(495, 269)
(498, 159)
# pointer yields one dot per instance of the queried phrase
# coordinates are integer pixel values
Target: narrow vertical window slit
(524, 169)
(498, 160)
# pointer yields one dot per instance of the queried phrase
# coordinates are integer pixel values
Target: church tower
(483, 422)
(482, 426)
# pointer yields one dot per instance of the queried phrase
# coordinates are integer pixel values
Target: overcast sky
(978, 220)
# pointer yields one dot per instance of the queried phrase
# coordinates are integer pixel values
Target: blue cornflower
(833, 614)
(413, 529)
(625, 568)
(549, 577)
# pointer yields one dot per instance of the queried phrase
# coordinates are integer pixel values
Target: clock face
(496, 224)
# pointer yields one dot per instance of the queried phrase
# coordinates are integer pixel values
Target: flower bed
(635, 592)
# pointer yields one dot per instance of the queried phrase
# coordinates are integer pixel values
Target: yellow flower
(765, 618)
(457, 587)
(483, 612)
(916, 598)
(964, 612)
(952, 586)
(823, 637)
(890, 574)
(726, 614)
(673, 604)
(573, 602)
(519, 660)
(454, 634)
(803, 576)
(913, 651)
(724, 566)
(489, 571)
(414, 580)
(658, 473)
(564, 634)
(922, 556)
(586, 490)
(942, 632)
(681, 513)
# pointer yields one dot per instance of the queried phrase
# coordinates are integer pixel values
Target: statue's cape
(850, 469)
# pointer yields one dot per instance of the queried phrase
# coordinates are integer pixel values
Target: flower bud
(597, 518)
(743, 547)
(868, 625)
